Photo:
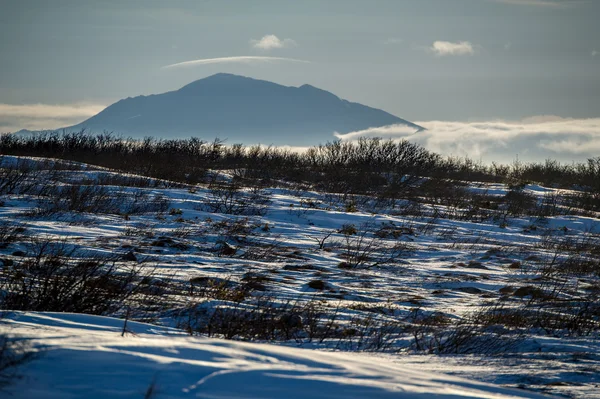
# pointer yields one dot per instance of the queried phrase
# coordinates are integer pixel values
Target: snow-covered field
(86, 357)
(314, 279)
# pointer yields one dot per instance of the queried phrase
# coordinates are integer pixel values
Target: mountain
(241, 110)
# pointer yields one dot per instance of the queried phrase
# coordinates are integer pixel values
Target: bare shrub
(321, 239)
(10, 232)
(98, 199)
(264, 317)
(519, 202)
(363, 249)
(371, 334)
(58, 277)
(232, 199)
(471, 334)
(17, 175)
(217, 288)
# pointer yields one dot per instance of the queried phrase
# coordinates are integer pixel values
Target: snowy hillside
(86, 357)
(489, 282)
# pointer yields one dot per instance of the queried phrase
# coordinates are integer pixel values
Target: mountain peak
(312, 89)
(224, 76)
(224, 80)
(242, 110)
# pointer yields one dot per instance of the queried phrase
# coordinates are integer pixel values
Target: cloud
(594, 53)
(270, 42)
(532, 139)
(442, 48)
(44, 116)
(573, 146)
(541, 3)
(244, 59)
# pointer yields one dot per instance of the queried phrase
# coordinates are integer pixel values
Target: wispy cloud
(271, 42)
(243, 59)
(541, 3)
(44, 116)
(443, 48)
(533, 139)
(594, 53)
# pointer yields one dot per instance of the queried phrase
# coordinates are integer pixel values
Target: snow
(448, 259)
(86, 356)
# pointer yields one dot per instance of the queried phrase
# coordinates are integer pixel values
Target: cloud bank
(442, 48)
(244, 59)
(532, 139)
(44, 116)
(271, 42)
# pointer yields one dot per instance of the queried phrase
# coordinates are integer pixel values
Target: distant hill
(241, 110)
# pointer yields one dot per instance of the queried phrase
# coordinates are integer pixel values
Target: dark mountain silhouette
(241, 110)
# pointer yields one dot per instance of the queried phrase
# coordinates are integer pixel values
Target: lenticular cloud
(533, 139)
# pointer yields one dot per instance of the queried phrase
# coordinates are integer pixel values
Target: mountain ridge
(239, 109)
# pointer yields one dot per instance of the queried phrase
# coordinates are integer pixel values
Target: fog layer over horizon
(531, 140)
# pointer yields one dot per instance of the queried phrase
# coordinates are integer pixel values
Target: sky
(463, 61)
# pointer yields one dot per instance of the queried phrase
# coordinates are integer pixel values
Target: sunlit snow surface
(85, 356)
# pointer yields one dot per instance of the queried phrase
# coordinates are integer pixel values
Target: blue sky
(453, 60)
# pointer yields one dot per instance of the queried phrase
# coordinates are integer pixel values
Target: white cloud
(533, 139)
(244, 59)
(540, 3)
(442, 48)
(270, 42)
(573, 146)
(44, 116)
(594, 53)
